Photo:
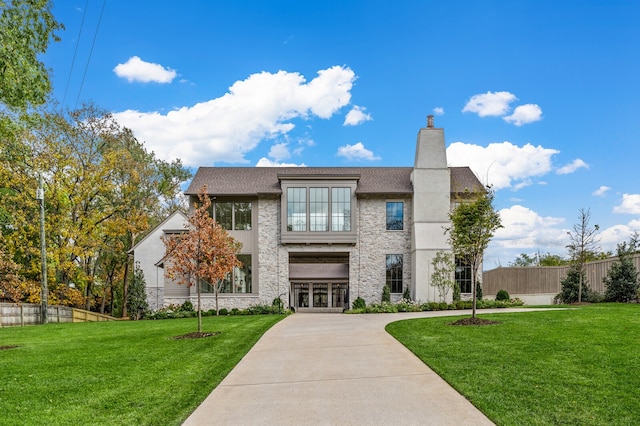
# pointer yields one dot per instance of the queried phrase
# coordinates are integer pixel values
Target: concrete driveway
(334, 369)
(330, 369)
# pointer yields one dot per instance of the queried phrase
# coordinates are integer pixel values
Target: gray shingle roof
(266, 180)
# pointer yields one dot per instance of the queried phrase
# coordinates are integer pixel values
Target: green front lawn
(572, 367)
(118, 372)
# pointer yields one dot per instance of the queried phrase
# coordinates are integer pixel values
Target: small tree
(621, 280)
(573, 286)
(443, 269)
(205, 252)
(473, 224)
(583, 242)
(137, 299)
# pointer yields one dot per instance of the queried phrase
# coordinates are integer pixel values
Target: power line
(75, 52)
(104, 2)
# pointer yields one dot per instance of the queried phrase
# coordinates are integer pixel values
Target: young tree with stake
(473, 224)
(205, 251)
(583, 241)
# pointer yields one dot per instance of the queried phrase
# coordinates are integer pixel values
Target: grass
(125, 373)
(579, 366)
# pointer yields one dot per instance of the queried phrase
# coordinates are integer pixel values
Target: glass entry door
(320, 295)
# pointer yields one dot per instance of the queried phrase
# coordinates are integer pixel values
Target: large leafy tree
(473, 224)
(583, 243)
(26, 28)
(204, 252)
(102, 191)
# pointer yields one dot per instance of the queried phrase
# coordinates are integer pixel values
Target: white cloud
(502, 165)
(490, 103)
(265, 162)
(609, 238)
(572, 167)
(524, 228)
(524, 114)
(279, 151)
(135, 69)
(356, 116)
(601, 192)
(630, 204)
(524, 231)
(224, 129)
(438, 111)
(356, 152)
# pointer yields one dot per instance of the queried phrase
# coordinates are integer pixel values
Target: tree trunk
(199, 310)
(125, 288)
(473, 288)
(125, 285)
(216, 289)
(580, 284)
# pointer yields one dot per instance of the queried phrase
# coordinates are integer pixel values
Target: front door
(325, 297)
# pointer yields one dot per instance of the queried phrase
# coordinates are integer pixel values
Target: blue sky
(539, 98)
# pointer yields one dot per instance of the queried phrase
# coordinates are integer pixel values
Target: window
(341, 209)
(296, 209)
(463, 276)
(319, 209)
(395, 220)
(394, 273)
(233, 215)
(223, 215)
(327, 209)
(242, 216)
(238, 281)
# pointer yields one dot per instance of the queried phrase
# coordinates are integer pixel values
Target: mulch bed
(474, 321)
(195, 335)
(3, 348)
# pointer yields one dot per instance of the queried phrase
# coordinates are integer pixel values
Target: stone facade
(374, 243)
(426, 191)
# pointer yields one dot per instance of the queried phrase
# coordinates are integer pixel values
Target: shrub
(406, 305)
(502, 295)
(406, 294)
(359, 303)
(278, 304)
(137, 305)
(187, 306)
(456, 291)
(223, 311)
(386, 294)
(569, 287)
(621, 280)
(235, 311)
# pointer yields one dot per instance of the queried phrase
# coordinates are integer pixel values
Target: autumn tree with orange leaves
(204, 252)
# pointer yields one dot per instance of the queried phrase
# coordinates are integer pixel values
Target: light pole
(43, 254)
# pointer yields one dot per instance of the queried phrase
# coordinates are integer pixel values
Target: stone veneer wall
(271, 268)
(155, 297)
(368, 265)
(367, 259)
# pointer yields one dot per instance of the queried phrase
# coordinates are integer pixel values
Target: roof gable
(169, 219)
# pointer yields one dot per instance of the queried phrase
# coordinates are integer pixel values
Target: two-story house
(319, 237)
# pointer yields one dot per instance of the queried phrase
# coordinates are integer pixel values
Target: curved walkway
(329, 369)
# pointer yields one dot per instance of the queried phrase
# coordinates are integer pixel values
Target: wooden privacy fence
(544, 279)
(12, 314)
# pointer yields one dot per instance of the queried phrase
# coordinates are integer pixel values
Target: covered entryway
(320, 282)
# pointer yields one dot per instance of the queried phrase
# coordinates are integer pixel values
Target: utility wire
(104, 2)
(75, 52)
